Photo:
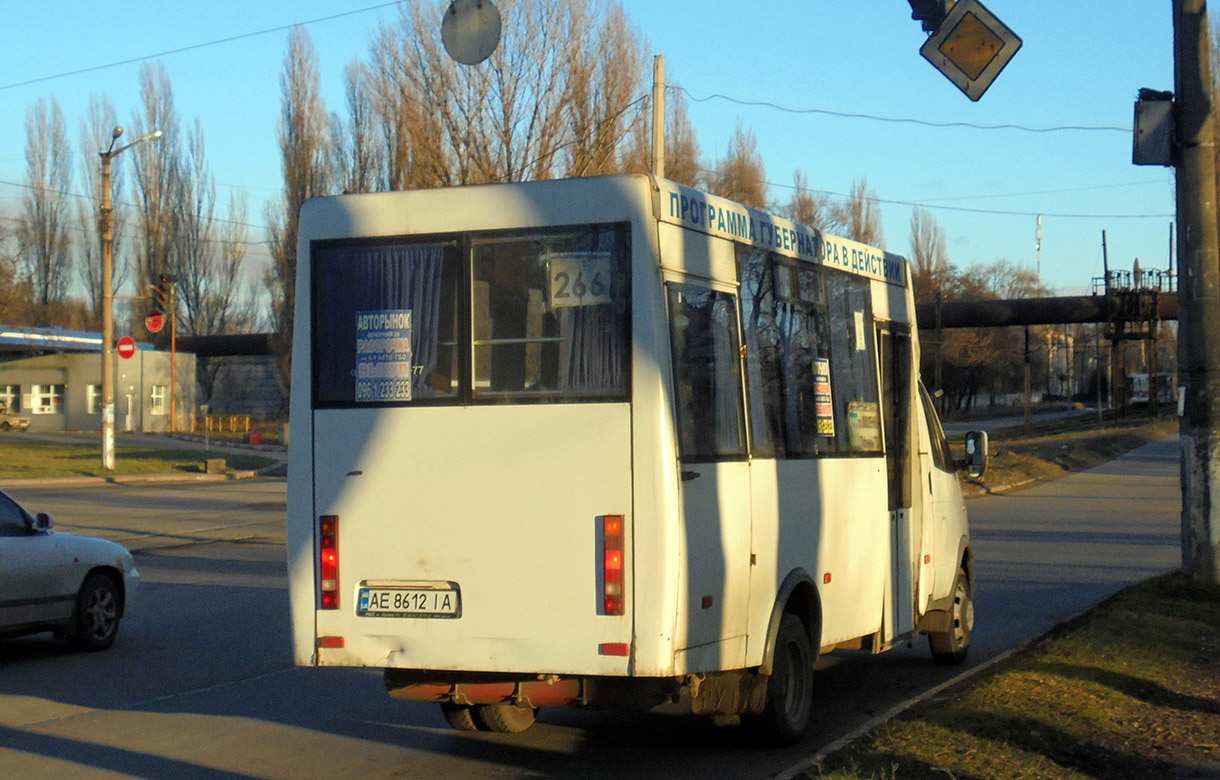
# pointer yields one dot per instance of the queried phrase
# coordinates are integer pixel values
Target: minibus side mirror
(975, 462)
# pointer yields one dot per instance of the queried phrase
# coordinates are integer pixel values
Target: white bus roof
(716, 216)
(556, 201)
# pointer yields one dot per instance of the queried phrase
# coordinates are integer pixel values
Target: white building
(54, 377)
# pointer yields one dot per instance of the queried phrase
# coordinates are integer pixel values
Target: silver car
(78, 587)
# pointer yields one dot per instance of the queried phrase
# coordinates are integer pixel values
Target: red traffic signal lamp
(162, 293)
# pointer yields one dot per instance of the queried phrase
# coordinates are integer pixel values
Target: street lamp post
(107, 231)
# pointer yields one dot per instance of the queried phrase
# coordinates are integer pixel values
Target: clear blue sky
(1082, 64)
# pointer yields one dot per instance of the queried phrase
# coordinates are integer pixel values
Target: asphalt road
(200, 683)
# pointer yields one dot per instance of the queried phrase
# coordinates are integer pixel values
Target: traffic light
(162, 293)
(930, 12)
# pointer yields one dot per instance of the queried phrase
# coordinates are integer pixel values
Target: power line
(967, 209)
(126, 233)
(1046, 192)
(894, 119)
(194, 46)
(92, 199)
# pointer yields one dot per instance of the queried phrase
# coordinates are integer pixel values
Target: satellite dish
(471, 30)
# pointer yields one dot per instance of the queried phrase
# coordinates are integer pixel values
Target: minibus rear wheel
(462, 717)
(506, 718)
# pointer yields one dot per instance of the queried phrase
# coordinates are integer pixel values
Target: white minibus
(610, 442)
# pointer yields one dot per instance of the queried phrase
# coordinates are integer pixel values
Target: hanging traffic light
(931, 12)
(162, 293)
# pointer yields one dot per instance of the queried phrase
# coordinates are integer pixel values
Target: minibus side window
(853, 367)
(941, 456)
(707, 373)
(764, 357)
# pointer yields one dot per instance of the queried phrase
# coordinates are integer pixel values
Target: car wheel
(506, 718)
(949, 647)
(5, 426)
(98, 609)
(790, 687)
(461, 716)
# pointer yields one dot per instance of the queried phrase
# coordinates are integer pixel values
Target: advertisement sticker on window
(864, 426)
(383, 355)
(579, 278)
(822, 402)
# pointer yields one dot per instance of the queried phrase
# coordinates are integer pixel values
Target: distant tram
(1139, 388)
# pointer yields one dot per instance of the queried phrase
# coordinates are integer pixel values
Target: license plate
(442, 600)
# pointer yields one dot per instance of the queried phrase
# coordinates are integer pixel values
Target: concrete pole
(173, 358)
(658, 116)
(1198, 291)
(1029, 420)
(107, 317)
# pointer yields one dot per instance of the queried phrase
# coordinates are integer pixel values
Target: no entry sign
(126, 347)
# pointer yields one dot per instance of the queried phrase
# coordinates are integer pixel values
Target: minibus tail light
(328, 560)
(612, 565)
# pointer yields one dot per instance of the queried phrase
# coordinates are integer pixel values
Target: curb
(228, 443)
(126, 479)
(814, 760)
(991, 490)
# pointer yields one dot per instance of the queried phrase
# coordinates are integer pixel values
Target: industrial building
(53, 376)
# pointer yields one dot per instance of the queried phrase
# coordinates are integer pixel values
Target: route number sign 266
(579, 279)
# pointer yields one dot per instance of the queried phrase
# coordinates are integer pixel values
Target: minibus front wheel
(950, 646)
(790, 687)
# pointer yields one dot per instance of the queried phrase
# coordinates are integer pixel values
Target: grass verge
(1129, 690)
(31, 460)
(1016, 459)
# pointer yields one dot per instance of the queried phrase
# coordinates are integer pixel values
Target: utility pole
(107, 231)
(1198, 290)
(658, 116)
(1038, 247)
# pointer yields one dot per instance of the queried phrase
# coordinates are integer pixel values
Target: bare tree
(931, 272)
(42, 229)
(681, 142)
(194, 250)
(562, 95)
(860, 216)
(304, 139)
(605, 84)
(356, 154)
(741, 175)
(95, 130)
(808, 207)
(14, 294)
(157, 176)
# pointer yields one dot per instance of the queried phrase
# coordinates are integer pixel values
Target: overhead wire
(893, 119)
(94, 199)
(966, 209)
(194, 46)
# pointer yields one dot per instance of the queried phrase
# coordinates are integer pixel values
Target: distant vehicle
(1139, 387)
(78, 587)
(608, 441)
(10, 421)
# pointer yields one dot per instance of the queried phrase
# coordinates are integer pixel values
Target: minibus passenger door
(714, 469)
(906, 520)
